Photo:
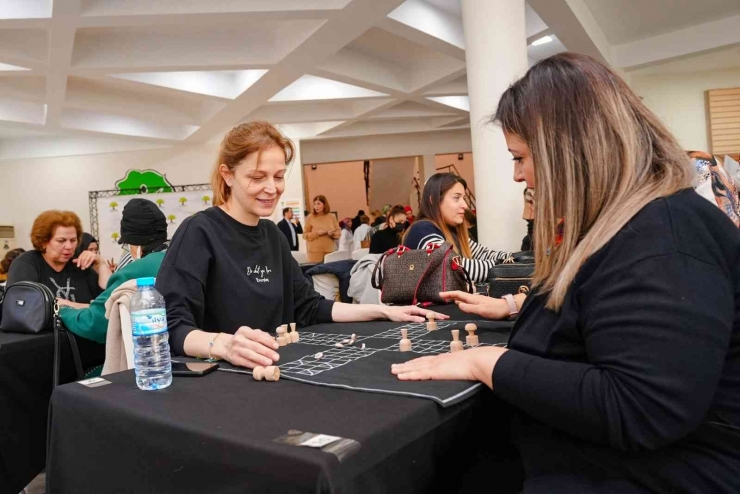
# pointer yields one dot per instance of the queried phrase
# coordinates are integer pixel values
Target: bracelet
(513, 311)
(210, 348)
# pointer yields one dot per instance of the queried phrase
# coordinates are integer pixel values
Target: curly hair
(48, 221)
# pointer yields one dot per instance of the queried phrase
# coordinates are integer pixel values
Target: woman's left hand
(475, 364)
(411, 313)
(87, 259)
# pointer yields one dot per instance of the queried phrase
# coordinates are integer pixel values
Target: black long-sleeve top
(219, 275)
(634, 385)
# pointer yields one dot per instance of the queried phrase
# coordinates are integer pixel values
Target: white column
(427, 167)
(496, 56)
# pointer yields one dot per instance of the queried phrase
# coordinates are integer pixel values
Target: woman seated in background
(442, 219)
(10, 256)
(362, 233)
(321, 230)
(54, 236)
(144, 233)
(227, 271)
(390, 236)
(377, 218)
(623, 369)
(346, 239)
(87, 242)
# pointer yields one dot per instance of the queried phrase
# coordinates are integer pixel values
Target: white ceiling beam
(539, 35)
(681, 43)
(575, 26)
(421, 38)
(351, 22)
(61, 44)
(431, 20)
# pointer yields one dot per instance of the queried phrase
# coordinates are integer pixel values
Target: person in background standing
(290, 228)
(6, 262)
(322, 228)
(409, 215)
(362, 232)
(377, 218)
(346, 240)
(356, 221)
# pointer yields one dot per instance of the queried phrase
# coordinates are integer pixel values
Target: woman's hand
(87, 259)
(490, 308)
(475, 364)
(321, 233)
(247, 348)
(410, 313)
(61, 302)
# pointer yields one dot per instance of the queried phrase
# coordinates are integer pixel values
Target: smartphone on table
(193, 369)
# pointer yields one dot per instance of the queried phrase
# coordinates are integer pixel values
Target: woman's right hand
(490, 308)
(247, 348)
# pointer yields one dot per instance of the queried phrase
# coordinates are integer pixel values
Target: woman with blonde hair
(228, 272)
(321, 230)
(623, 368)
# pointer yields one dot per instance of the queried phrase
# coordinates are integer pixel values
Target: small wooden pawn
(282, 338)
(258, 373)
(272, 373)
(405, 344)
(472, 338)
(294, 337)
(431, 323)
(456, 345)
(286, 334)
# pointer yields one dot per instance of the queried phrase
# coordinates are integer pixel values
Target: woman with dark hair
(390, 236)
(228, 274)
(321, 230)
(87, 242)
(442, 219)
(55, 235)
(622, 371)
(7, 261)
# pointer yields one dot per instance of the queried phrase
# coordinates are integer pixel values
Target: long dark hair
(429, 210)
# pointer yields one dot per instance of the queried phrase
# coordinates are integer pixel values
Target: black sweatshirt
(219, 275)
(71, 283)
(635, 384)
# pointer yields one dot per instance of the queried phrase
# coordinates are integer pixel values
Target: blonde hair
(240, 142)
(600, 156)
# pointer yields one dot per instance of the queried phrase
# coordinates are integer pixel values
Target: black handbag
(513, 276)
(31, 308)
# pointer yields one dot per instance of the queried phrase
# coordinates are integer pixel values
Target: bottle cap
(145, 281)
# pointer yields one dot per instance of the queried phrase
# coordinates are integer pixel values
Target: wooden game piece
(363, 346)
(345, 342)
(258, 373)
(338, 345)
(286, 334)
(294, 337)
(405, 343)
(431, 323)
(456, 345)
(353, 339)
(282, 340)
(472, 338)
(318, 356)
(272, 373)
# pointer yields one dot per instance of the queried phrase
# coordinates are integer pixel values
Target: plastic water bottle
(151, 339)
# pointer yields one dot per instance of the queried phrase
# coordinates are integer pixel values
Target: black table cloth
(216, 434)
(26, 364)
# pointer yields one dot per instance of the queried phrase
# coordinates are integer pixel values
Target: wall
(343, 184)
(30, 186)
(464, 166)
(679, 100)
(390, 181)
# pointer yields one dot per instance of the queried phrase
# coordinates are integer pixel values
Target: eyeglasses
(126, 247)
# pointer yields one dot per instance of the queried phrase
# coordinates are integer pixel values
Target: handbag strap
(432, 266)
(377, 279)
(59, 329)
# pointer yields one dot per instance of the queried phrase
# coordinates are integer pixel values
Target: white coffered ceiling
(182, 72)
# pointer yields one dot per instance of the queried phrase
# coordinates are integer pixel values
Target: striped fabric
(477, 267)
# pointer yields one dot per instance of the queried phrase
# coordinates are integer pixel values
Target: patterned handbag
(513, 276)
(406, 276)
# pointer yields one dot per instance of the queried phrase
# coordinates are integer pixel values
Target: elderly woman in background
(55, 235)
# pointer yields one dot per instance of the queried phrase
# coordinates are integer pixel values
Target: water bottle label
(149, 321)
